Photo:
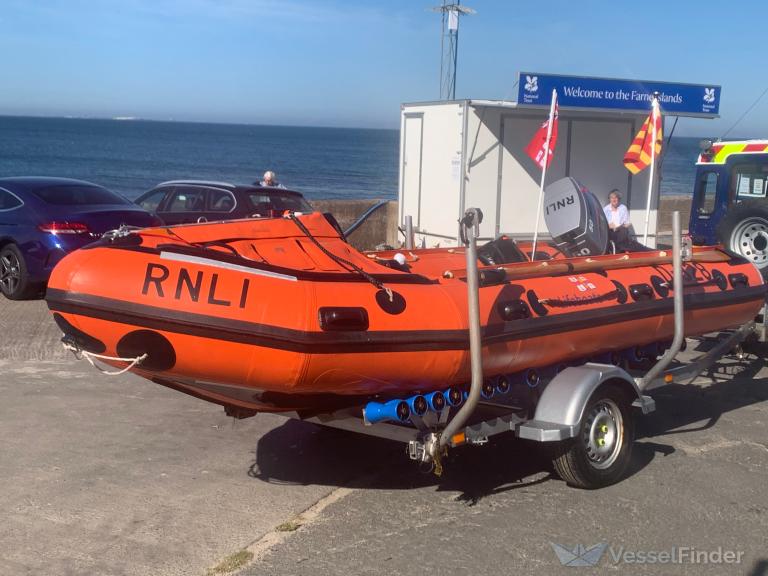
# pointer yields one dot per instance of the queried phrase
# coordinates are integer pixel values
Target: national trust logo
(531, 83)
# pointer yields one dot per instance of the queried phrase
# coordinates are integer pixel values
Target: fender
(564, 399)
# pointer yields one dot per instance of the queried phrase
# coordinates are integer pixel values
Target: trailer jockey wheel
(744, 231)
(601, 450)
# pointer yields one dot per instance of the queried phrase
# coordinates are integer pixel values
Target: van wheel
(14, 279)
(600, 453)
(744, 231)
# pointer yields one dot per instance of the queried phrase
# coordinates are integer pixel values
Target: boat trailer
(585, 412)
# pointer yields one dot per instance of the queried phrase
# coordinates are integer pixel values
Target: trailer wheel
(599, 454)
(744, 231)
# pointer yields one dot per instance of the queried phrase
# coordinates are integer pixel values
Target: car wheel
(744, 231)
(14, 278)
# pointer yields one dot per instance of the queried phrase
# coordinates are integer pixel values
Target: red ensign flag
(638, 156)
(537, 147)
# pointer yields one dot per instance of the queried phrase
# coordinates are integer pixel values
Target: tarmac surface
(116, 475)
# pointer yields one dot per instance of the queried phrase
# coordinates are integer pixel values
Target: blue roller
(532, 377)
(529, 377)
(418, 404)
(396, 410)
(488, 389)
(503, 385)
(453, 397)
(634, 354)
(436, 401)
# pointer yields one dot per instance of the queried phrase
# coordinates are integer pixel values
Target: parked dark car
(185, 201)
(42, 219)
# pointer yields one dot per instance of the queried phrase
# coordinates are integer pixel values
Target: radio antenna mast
(450, 13)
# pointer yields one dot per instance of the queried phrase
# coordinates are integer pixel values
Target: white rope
(91, 355)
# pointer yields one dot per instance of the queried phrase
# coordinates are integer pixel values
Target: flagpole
(654, 115)
(543, 173)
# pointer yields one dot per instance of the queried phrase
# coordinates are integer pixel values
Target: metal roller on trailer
(586, 413)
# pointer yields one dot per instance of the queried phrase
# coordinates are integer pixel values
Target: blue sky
(329, 62)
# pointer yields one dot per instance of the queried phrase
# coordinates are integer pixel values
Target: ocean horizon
(131, 155)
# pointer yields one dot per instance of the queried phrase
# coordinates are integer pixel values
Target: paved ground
(119, 476)
(698, 479)
(116, 475)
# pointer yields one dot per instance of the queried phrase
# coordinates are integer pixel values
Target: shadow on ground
(302, 453)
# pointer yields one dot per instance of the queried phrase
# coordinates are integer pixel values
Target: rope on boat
(339, 260)
(414, 257)
(79, 354)
(579, 300)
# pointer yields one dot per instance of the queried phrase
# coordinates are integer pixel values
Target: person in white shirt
(618, 218)
(270, 180)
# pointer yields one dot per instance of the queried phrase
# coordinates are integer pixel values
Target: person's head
(614, 197)
(269, 178)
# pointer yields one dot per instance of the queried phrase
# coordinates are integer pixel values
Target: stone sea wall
(381, 227)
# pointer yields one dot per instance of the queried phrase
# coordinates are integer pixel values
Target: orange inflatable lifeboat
(283, 314)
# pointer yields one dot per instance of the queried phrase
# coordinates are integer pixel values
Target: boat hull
(248, 333)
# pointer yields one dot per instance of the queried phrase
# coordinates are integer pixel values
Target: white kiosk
(462, 153)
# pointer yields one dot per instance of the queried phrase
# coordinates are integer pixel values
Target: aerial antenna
(450, 13)
(747, 111)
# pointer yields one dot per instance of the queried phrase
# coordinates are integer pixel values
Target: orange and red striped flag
(638, 155)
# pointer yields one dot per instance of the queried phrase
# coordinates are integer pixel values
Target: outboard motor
(575, 218)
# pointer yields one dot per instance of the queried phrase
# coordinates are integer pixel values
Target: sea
(132, 156)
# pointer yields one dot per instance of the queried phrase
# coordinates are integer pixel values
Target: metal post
(655, 112)
(455, 54)
(471, 226)
(677, 291)
(552, 106)
(409, 240)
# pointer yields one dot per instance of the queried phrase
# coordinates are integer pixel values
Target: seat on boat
(502, 250)
(627, 243)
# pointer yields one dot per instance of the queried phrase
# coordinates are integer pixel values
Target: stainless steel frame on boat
(562, 404)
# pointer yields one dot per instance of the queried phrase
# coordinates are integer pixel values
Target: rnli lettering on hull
(161, 281)
(191, 285)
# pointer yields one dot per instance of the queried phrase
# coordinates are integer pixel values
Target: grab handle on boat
(470, 226)
(677, 275)
(409, 237)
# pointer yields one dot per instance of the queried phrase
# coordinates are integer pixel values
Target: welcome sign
(535, 89)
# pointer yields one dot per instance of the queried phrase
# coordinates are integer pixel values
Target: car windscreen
(78, 195)
(263, 202)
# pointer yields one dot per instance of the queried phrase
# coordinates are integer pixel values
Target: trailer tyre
(600, 453)
(744, 231)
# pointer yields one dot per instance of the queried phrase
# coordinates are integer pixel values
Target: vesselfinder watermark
(580, 555)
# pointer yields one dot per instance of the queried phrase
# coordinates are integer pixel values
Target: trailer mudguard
(564, 399)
